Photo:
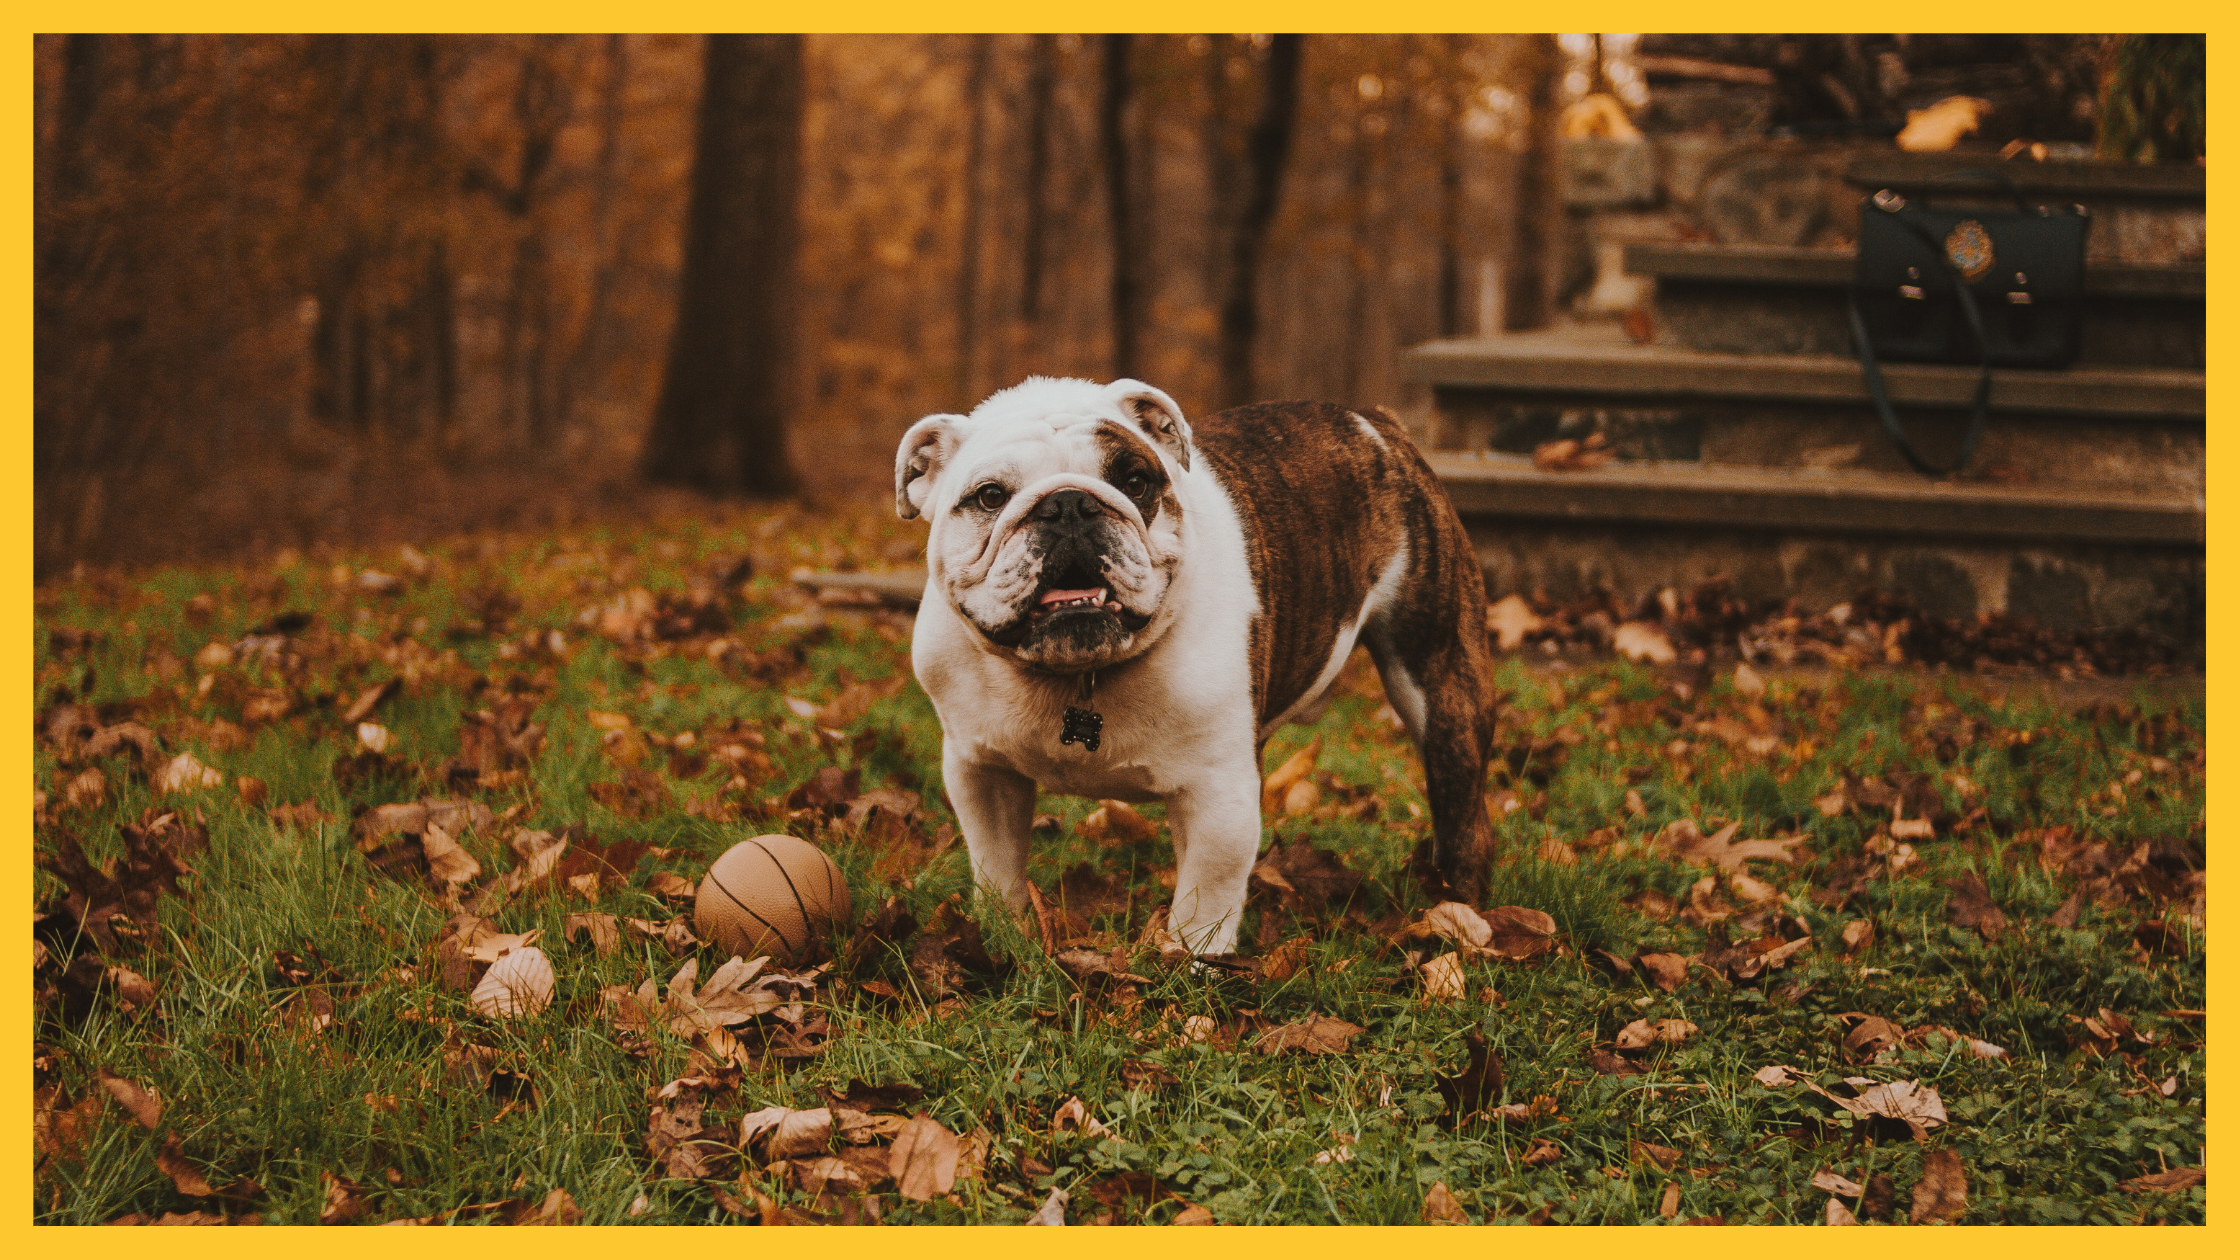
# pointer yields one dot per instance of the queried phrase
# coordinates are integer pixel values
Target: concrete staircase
(1747, 447)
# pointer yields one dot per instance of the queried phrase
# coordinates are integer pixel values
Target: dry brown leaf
(1444, 980)
(184, 1175)
(1641, 641)
(1440, 1207)
(1072, 1117)
(1519, 933)
(601, 930)
(1857, 935)
(1942, 1192)
(1669, 1205)
(139, 1101)
(2170, 1181)
(345, 1200)
(923, 1162)
(1316, 1034)
(1053, 1209)
(135, 992)
(1668, 971)
(1453, 921)
(1664, 1157)
(520, 983)
(1970, 906)
(672, 885)
(1836, 1184)
(1748, 684)
(1117, 822)
(1295, 769)
(447, 862)
(1838, 1214)
(1510, 620)
(1541, 1152)
(558, 1208)
(1871, 1037)
(185, 774)
(1643, 1033)
(1193, 1214)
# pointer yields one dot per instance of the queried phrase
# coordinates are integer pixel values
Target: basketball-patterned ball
(774, 895)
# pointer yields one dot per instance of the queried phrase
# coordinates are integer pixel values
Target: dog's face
(1056, 526)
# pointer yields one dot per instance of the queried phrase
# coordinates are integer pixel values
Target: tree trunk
(1267, 150)
(1042, 91)
(968, 267)
(1535, 228)
(721, 420)
(1126, 304)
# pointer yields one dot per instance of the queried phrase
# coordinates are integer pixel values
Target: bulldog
(1123, 604)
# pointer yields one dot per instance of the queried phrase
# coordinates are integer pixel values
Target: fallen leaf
(1748, 684)
(924, 1159)
(1838, 1214)
(1685, 840)
(1644, 1033)
(1669, 1205)
(1072, 1117)
(447, 862)
(1856, 936)
(1572, 454)
(1440, 1207)
(1664, 1157)
(1970, 906)
(1307, 879)
(1193, 1214)
(1870, 1037)
(1444, 979)
(1518, 933)
(1052, 1211)
(1640, 641)
(1942, 1192)
(1294, 770)
(185, 1177)
(1316, 1034)
(1541, 1152)
(2171, 1181)
(602, 931)
(345, 1200)
(185, 774)
(140, 1102)
(1668, 971)
(1476, 1087)
(1834, 1184)
(1511, 620)
(520, 983)
(1117, 822)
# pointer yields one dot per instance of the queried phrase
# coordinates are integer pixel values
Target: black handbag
(1992, 288)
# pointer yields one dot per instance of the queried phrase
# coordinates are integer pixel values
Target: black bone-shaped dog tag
(1082, 726)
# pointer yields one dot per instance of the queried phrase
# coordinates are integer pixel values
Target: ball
(774, 895)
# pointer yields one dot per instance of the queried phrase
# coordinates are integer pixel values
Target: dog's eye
(991, 497)
(1136, 484)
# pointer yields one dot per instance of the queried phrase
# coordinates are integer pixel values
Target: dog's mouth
(1075, 592)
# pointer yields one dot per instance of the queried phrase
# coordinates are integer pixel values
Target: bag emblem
(1968, 248)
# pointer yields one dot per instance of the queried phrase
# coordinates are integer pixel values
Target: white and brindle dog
(1192, 587)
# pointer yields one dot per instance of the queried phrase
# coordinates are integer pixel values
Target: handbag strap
(1879, 391)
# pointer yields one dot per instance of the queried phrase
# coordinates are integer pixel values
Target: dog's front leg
(1215, 822)
(996, 808)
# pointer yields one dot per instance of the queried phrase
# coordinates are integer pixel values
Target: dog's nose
(1067, 507)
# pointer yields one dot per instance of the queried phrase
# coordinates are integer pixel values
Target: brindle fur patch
(1325, 508)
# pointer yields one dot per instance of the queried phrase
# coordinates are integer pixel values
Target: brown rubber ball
(774, 895)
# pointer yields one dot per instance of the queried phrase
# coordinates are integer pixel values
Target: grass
(2047, 1135)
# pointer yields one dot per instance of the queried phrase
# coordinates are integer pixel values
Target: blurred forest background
(362, 288)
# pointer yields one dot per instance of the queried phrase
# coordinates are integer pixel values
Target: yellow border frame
(1145, 15)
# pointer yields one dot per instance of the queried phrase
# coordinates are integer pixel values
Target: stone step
(1759, 298)
(1814, 501)
(2106, 181)
(2123, 428)
(2067, 559)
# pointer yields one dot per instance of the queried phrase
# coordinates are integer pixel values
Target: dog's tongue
(1061, 597)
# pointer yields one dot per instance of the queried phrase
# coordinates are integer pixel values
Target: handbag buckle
(1885, 199)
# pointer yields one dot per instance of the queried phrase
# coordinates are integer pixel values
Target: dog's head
(1056, 522)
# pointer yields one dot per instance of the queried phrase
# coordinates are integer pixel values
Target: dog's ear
(1157, 415)
(929, 444)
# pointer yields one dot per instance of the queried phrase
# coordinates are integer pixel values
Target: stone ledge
(1831, 269)
(1909, 171)
(1812, 501)
(1603, 365)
